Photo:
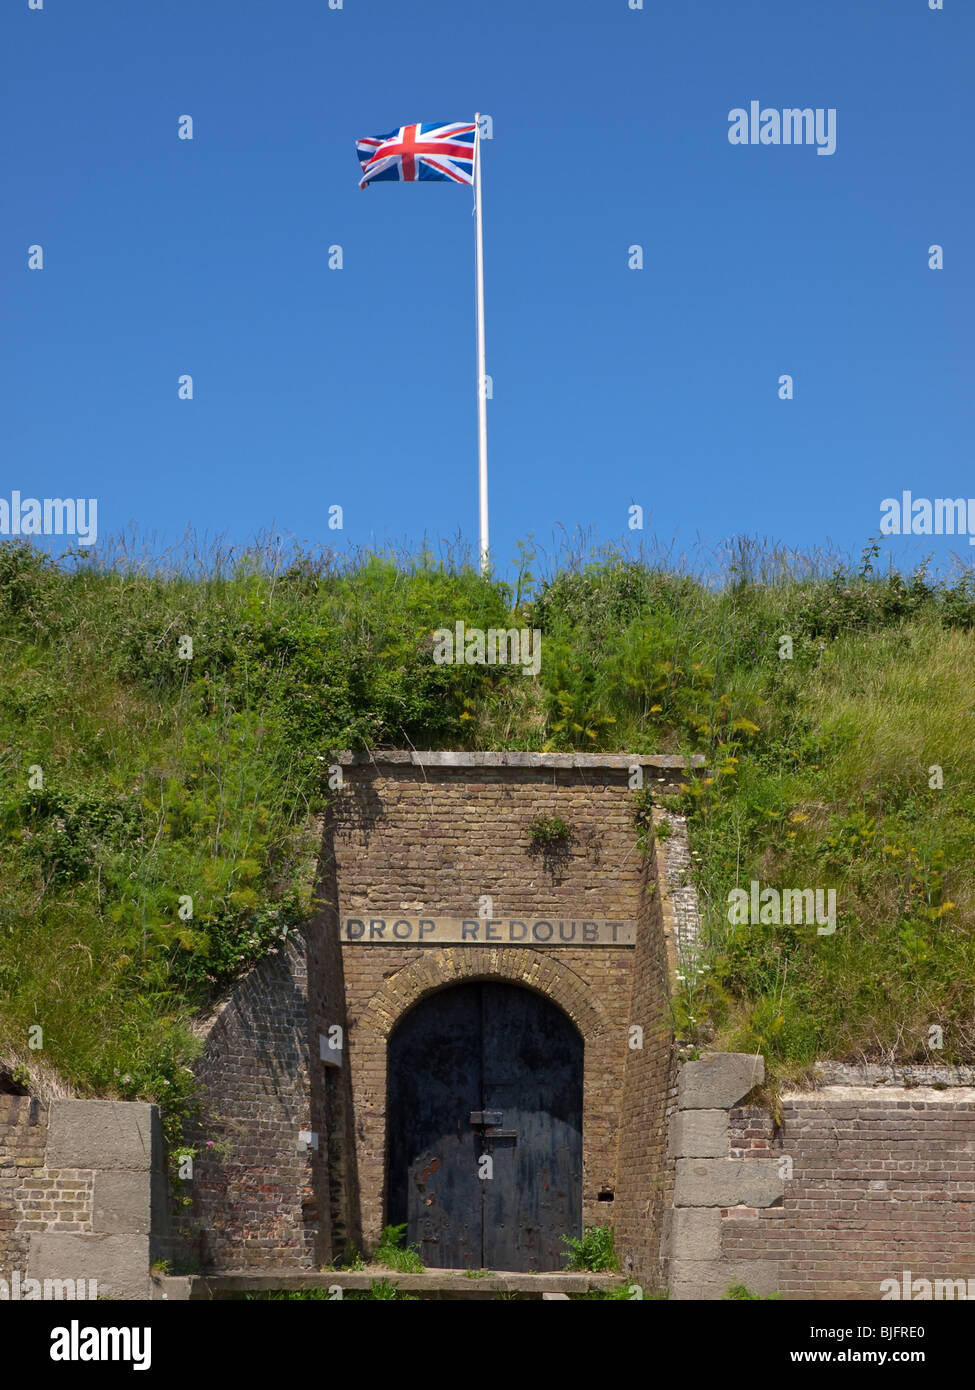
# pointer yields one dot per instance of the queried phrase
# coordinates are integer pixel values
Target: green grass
(385, 1291)
(132, 780)
(391, 1251)
(289, 1296)
(741, 1293)
(380, 1290)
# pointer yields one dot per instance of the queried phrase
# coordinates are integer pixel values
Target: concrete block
(122, 1203)
(176, 1288)
(719, 1080)
(711, 1279)
(100, 1134)
(698, 1134)
(692, 1233)
(727, 1182)
(120, 1264)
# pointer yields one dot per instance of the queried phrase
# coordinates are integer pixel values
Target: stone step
(449, 1283)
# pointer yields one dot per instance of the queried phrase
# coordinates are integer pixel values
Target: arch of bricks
(531, 969)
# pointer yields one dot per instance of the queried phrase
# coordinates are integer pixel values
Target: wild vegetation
(595, 1250)
(156, 807)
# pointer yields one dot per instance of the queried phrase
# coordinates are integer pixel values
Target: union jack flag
(442, 152)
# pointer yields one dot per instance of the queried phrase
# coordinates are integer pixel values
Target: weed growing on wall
(392, 1252)
(594, 1251)
(548, 830)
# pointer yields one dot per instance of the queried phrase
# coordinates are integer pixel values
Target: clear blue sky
(611, 386)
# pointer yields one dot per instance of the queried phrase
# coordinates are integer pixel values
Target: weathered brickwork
(23, 1136)
(254, 1177)
(645, 1173)
(751, 1132)
(882, 1181)
(34, 1197)
(433, 841)
(407, 839)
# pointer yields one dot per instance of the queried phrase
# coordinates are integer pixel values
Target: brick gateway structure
(299, 1163)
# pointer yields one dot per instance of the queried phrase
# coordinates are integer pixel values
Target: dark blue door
(485, 1128)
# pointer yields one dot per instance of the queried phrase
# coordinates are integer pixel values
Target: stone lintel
(662, 762)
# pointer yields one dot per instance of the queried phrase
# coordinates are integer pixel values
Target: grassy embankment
(161, 778)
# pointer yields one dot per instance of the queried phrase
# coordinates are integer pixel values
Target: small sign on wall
(480, 931)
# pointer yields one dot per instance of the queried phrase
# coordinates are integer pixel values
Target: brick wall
(645, 1174)
(23, 1177)
(882, 1181)
(255, 1180)
(856, 1185)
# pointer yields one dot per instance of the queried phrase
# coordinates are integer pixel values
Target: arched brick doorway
(484, 1144)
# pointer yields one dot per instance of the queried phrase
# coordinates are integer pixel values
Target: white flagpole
(481, 370)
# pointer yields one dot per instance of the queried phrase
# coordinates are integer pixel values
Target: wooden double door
(484, 1111)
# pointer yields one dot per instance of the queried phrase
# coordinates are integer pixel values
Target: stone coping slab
(719, 1080)
(431, 1281)
(883, 1097)
(908, 1074)
(104, 1134)
(665, 762)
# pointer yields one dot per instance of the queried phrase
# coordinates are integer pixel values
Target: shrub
(391, 1251)
(595, 1251)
